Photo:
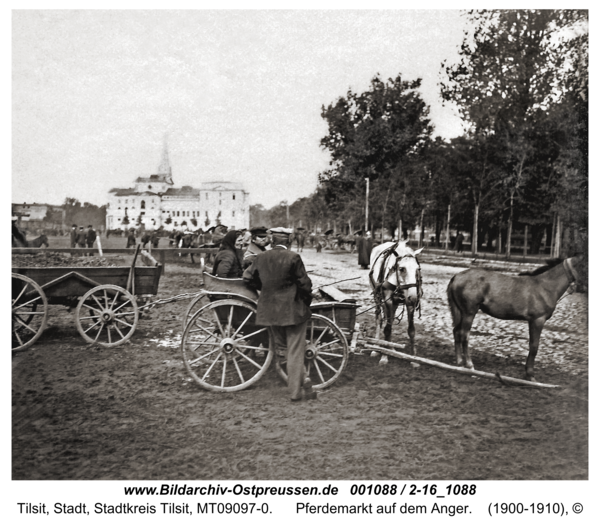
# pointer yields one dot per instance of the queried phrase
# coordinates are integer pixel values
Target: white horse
(395, 278)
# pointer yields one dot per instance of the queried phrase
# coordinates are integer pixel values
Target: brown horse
(42, 239)
(532, 297)
(19, 239)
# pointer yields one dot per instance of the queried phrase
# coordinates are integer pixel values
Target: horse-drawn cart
(106, 312)
(224, 350)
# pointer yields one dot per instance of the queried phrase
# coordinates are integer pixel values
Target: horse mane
(553, 262)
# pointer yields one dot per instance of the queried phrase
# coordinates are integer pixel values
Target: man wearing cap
(284, 304)
(258, 245)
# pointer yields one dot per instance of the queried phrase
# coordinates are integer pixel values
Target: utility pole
(447, 229)
(367, 208)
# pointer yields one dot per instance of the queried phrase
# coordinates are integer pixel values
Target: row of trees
(521, 88)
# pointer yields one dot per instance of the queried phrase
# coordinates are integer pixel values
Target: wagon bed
(59, 283)
(107, 311)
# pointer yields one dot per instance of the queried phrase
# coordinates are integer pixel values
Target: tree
(375, 135)
(83, 214)
(259, 216)
(511, 73)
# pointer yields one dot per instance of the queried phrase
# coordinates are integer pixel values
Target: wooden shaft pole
(455, 369)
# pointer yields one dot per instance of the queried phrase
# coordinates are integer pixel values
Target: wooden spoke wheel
(326, 353)
(200, 301)
(107, 315)
(29, 312)
(223, 349)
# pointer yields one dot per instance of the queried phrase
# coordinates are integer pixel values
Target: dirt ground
(80, 412)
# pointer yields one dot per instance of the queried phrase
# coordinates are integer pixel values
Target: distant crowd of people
(81, 238)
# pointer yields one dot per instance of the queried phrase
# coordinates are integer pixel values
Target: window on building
(233, 213)
(143, 205)
(149, 187)
(234, 196)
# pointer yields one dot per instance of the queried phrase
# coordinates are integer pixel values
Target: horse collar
(570, 270)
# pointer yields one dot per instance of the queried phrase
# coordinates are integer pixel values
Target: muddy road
(81, 412)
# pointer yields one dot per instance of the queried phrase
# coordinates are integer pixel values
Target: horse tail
(454, 308)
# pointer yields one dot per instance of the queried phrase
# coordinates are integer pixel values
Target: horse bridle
(400, 287)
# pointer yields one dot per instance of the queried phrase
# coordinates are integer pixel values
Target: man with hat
(284, 305)
(258, 245)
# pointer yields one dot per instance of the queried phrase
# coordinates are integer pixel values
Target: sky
(237, 94)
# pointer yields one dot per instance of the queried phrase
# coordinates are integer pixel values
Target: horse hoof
(383, 361)
(375, 354)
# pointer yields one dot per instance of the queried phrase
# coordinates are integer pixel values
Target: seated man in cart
(284, 306)
(258, 244)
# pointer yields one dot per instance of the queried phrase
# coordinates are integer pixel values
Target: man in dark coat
(284, 305)
(90, 237)
(74, 236)
(364, 246)
(258, 245)
(459, 242)
(130, 239)
(81, 238)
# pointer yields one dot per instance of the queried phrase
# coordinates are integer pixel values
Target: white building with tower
(155, 202)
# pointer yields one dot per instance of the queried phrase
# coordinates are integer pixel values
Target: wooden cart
(105, 298)
(224, 350)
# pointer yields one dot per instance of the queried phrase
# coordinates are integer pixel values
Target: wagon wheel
(223, 349)
(199, 301)
(326, 353)
(29, 312)
(107, 315)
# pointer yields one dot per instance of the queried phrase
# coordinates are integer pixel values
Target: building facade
(155, 202)
(33, 216)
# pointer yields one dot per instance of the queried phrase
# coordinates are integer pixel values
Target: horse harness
(398, 293)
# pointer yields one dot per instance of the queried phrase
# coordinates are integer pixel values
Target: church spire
(164, 169)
